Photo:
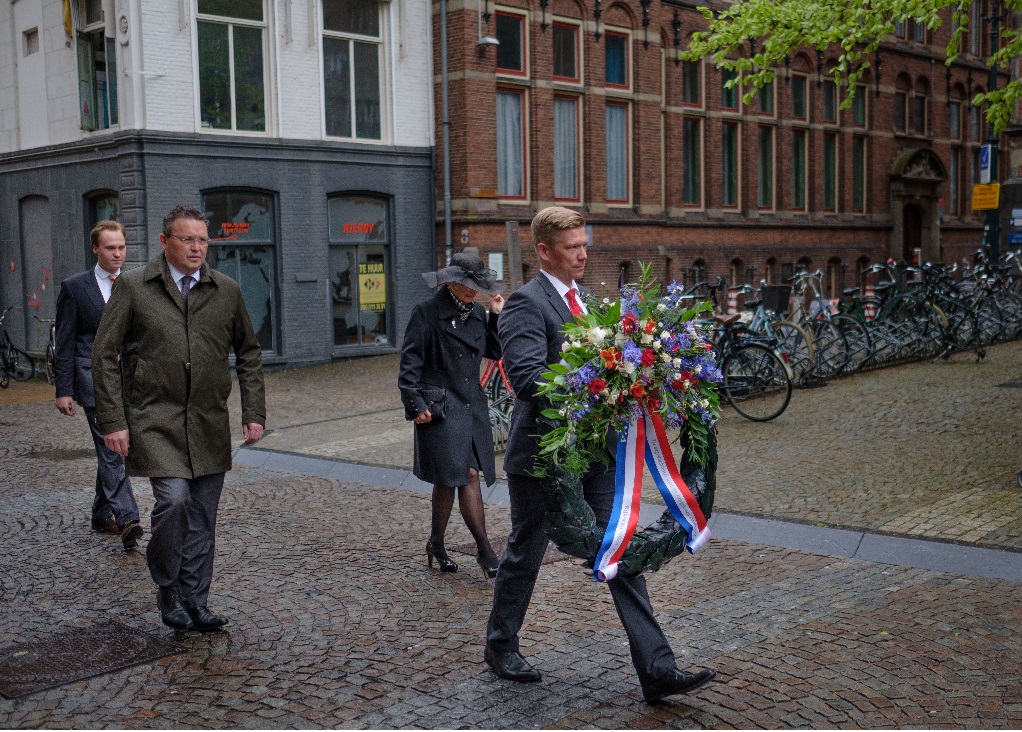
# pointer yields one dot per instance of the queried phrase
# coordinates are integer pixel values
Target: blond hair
(105, 225)
(551, 221)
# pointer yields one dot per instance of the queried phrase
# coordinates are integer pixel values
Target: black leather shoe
(106, 525)
(437, 551)
(676, 682)
(204, 621)
(131, 532)
(172, 612)
(510, 666)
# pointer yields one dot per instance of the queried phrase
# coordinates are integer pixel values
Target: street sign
(984, 164)
(985, 197)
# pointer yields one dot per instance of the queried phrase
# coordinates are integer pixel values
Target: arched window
(737, 275)
(360, 269)
(860, 272)
(835, 281)
(243, 245)
(770, 272)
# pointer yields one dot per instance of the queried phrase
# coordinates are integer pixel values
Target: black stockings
(470, 502)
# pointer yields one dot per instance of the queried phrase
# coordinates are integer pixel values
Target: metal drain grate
(1011, 385)
(76, 655)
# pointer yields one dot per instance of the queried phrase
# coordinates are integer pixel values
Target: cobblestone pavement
(337, 622)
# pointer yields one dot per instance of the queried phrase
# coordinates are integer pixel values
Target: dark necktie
(573, 304)
(186, 285)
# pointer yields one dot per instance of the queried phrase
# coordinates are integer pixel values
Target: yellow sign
(985, 197)
(372, 287)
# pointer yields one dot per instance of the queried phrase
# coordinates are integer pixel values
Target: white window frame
(268, 77)
(627, 106)
(523, 18)
(579, 79)
(524, 96)
(383, 59)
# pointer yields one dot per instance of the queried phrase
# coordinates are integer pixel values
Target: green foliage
(781, 27)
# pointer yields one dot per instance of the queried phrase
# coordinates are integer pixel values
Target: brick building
(585, 104)
(303, 129)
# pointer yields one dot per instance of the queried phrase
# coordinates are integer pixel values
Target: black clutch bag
(436, 400)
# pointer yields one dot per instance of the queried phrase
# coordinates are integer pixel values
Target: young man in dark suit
(530, 336)
(80, 306)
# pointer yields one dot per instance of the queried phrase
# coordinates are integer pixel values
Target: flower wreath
(638, 366)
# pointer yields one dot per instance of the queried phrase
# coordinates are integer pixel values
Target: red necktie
(573, 304)
(113, 278)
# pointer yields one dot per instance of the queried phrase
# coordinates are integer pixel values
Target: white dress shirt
(562, 290)
(178, 275)
(103, 280)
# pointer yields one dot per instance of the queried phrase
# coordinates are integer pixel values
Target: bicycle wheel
(963, 327)
(22, 367)
(51, 365)
(830, 349)
(756, 383)
(5, 371)
(857, 338)
(795, 347)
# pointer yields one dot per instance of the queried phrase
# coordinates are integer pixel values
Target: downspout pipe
(446, 124)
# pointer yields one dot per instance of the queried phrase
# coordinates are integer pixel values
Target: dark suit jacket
(530, 337)
(79, 309)
(441, 351)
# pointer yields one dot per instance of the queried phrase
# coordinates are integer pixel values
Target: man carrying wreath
(530, 335)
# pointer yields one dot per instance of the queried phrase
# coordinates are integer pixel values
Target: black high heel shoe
(440, 554)
(489, 567)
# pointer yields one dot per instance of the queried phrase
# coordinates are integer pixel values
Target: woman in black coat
(446, 339)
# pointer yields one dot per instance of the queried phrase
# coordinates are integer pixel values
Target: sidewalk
(337, 622)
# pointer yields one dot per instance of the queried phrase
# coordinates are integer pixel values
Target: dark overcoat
(441, 351)
(79, 308)
(172, 397)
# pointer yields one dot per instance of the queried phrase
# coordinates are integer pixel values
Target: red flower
(648, 357)
(638, 390)
(650, 326)
(628, 323)
(680, 385)
(653, 404)
(597, 385)
(609, 356)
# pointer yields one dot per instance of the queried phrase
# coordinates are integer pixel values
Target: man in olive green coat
(163, 403)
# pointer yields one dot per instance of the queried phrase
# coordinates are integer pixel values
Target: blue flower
(631, 353)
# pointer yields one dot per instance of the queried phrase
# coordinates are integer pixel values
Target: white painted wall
(157, 77)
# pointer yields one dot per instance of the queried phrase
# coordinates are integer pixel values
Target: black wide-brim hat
(468, 270)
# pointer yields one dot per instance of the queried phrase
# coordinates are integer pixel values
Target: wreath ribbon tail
(624, 517)
(683, 505)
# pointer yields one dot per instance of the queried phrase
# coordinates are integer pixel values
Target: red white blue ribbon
(645, 439)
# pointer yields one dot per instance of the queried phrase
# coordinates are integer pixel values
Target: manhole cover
(62, 454)
(75, 655)
(1011, 385)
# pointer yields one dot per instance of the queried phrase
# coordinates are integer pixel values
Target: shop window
(231, 38)
(566, 168)
(566, 62)
(97, 71)
(359, 261)
(510, 143)
(243, 245)
(352, 81)
(510, 52)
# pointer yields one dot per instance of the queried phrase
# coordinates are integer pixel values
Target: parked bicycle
(14, 362)
(502, 400)
(51, 349)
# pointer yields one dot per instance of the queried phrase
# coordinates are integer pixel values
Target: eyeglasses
(189, 240)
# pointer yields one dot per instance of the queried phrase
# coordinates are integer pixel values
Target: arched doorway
(917, 177)
(911, 232)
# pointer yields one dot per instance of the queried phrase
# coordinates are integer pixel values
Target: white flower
(563, 412)
(697, 369)
(665, 336)
(657, 345)
(661, 306)
(566, 346)
(628, 368)
(620, 338)
(606, 300)
(646, 338)
(704, 403)
(596, 336)
(665, 357)
(677, 364)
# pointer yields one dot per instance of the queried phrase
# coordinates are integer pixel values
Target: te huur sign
(985, 197)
